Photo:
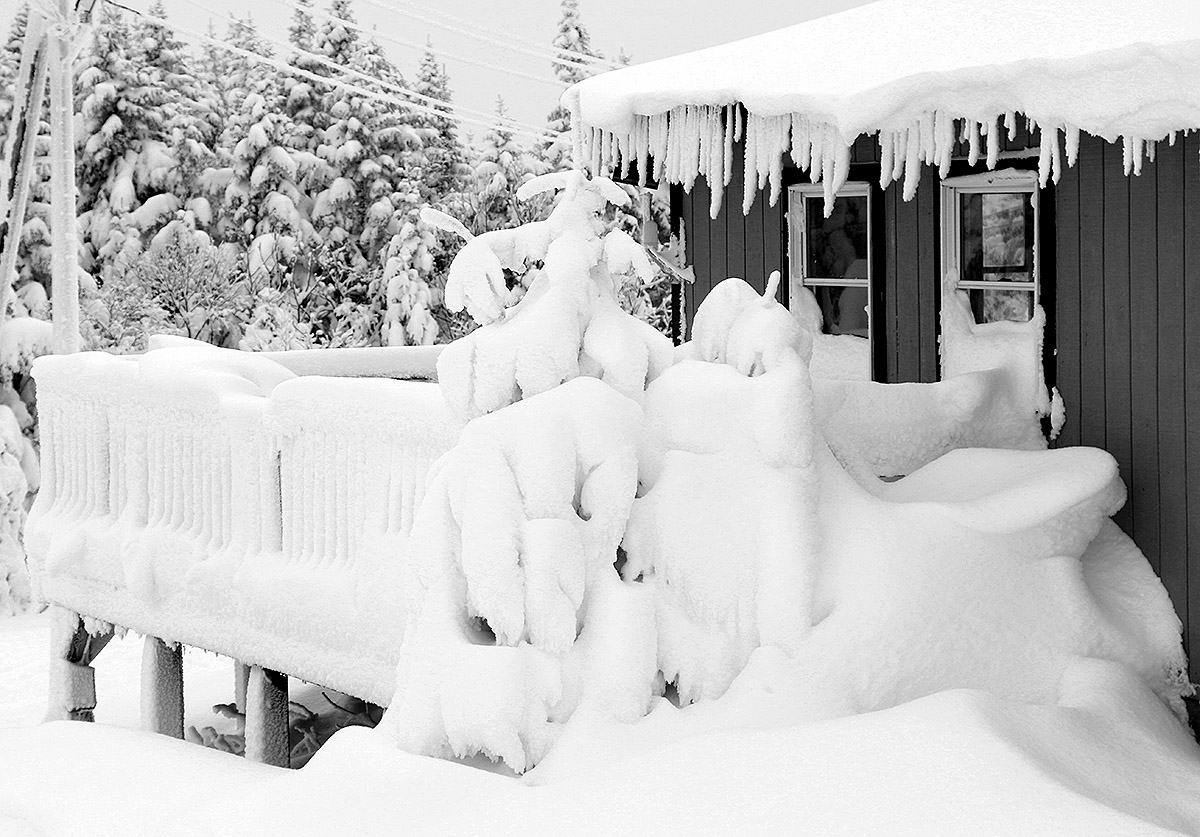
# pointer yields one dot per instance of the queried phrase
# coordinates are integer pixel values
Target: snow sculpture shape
(518, 619)
(724, 531)
(989, 569)
(567, 324)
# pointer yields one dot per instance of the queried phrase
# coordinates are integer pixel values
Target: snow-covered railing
(218, 499)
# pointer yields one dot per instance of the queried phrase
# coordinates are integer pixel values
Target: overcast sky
(645, 29)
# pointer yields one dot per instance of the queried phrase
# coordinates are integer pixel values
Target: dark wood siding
(1128, 341)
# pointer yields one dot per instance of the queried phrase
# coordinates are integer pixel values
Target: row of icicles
(698, 140)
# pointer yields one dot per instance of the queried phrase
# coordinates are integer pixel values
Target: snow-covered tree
(572, 37)
(125, 155)
(410, 300)
(502, 166)
(446, 169)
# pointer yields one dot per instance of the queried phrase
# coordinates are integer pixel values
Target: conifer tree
(572, 37)
(502, 166)
(445, 170)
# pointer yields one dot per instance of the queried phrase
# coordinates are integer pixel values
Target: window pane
(795, 213)
(837, 245)
(997, 237)
(1000, 305)
(844, 310)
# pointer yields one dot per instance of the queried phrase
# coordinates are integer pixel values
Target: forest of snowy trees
(269, 204)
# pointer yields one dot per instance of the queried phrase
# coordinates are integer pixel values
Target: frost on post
(519, 619)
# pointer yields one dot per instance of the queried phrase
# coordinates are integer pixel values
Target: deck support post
(267, 720)
(162, 687)
(241, 676)
(73, 648)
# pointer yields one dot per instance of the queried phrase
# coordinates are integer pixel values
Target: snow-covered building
(929, 170)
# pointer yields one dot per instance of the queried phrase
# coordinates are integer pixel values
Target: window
(990, 238)
(832, 258)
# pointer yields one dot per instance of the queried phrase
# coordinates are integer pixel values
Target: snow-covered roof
(907, 69)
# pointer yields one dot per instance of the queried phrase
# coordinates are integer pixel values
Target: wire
(489, 119)
(564, 56)
(377, 34)
(288, 68)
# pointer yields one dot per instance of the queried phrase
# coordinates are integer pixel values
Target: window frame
(798, 267)
(1003, 181)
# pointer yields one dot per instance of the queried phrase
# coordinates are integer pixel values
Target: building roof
(906, 69)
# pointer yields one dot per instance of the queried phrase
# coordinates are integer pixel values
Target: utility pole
(16, 174)
(52, 40)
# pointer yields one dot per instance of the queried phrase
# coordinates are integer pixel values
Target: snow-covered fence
(218, 499)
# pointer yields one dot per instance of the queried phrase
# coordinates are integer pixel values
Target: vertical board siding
(1128, 252)
(1172, 404)
(1117, 366)
(1143, 354)
(1069, 290)
(1191, 371)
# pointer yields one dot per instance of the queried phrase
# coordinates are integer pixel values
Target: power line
(280, 64)
(414, 45)
(564, 56)
(377, 34)
(322, 60)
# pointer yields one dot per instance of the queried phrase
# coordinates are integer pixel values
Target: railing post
(267, 720)
(72, 678)
(162, 687)
(241, 677)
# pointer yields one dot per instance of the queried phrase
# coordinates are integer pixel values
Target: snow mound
(518, 615)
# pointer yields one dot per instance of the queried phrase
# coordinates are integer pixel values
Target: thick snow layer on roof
(908, 68)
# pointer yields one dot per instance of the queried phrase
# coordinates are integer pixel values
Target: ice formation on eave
(939, 72)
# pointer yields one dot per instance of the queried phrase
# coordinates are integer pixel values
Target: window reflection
(837, 245)
(997, 237)
(844, 309)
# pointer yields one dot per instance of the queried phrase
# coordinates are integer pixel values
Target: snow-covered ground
(1108, 759)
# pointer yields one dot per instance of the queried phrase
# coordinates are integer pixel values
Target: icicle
(1056, 156)
(841, 168)
(993, 146)
(1072, 145)
(887, 151)
(973, 141)
(674, 128)
(625, 150)
(926, 138)
(783, 125)
(912, 162)
(576, 135)
(1045, 160)
(944, 142)
(816, 155)
(899, 153)
(801, 142)
(1139, 147)
(642, 148)
(1010, 125)
(595, 142)
(737, 124)
(748, 181)
(1171, 141)
(730, 119)
(1151, 150)
(703, 139)
(690, 150)
(1127, 153)
(658, 143)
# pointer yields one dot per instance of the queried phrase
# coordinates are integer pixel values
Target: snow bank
(1110, 68)
(986, 569)
(21, 340)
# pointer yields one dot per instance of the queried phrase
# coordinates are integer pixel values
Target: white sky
(646, 30)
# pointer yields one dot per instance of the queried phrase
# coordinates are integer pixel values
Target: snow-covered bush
(518, 617)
